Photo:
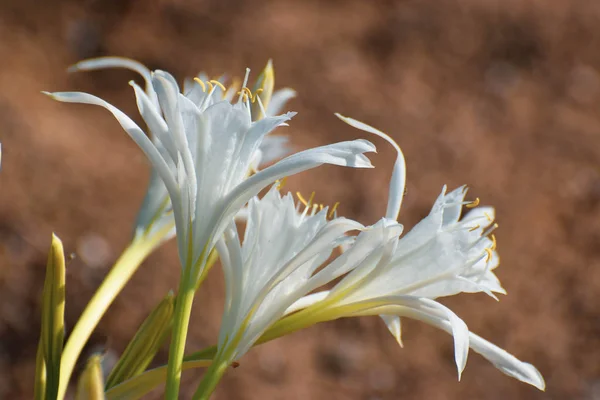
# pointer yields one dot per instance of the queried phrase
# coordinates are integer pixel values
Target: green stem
(119, 275)
(211, 379)
(181, 320)
(140, 385)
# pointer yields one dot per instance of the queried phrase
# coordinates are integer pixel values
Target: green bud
(264, 89)
(91, 385)
(145, 344)
(53, 318)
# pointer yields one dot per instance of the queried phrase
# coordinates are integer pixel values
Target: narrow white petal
(279, 99)
(425, 310)
(118, 62)
(157, 125)
(343, 154)
(394, 326)
(138, 137)
(398, 181)
(507, 363)
(307, 301)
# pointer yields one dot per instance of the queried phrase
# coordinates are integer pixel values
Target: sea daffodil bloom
(401, 277)
(283, 247)
(155, 215)
(206, 173)
(275, 266)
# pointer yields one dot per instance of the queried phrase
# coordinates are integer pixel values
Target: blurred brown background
(503, 95)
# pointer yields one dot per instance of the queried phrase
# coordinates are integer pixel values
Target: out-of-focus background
(503, 95)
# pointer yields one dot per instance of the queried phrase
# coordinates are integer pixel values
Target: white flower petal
(279, 99)
(138, 137)
(394, 326)
(398, 181)
(118, 62)
(507, 363)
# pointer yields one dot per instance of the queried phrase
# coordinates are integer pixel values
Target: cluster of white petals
(208, 146)
(283, 246)
(202, 151)
(156, 211)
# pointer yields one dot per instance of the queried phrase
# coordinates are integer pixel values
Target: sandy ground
(501, 95)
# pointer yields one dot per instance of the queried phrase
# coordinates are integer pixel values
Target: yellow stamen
(473, 204)
(210, 86)
(311, 198)
(493, 238)
(474, 228)
(219, 84)
(488, 255)
(258, 91)
(489, 218)
(332, 212)
(301, 198)
(281, 183)
(199, 82)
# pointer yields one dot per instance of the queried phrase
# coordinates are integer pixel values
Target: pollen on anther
(489, 218)
(199, 82)
(474, 228)
(488, 255)
(302, 199)
(219, 84)
(333, 209)
(281, 183)
(493, 238)
(473, 204)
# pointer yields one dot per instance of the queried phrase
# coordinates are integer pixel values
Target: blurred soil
(501, 95)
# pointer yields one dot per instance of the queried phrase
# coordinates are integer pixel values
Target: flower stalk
(115, 281)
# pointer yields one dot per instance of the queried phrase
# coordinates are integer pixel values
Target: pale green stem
(119, 275)
(211, 379)
(140, 385)
(181, 320)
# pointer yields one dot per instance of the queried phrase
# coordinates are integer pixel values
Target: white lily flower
(441, 256)
(274, 267)
(156, 214)
(206, 172)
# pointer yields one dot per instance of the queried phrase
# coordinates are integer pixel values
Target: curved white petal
(398, 180)
(138, 136)
(507, 363)
(118, 62)
(279, 99)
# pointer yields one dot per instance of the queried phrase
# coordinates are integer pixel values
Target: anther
(488, 254)
(219, 84)
(199, 82)
(489, 218)
(301, 198)
(281, 183)
(311, 198)
(493, 238)
(333, 209)
(210, 86)
(258, 91)
(474, 228)
(473, 203)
